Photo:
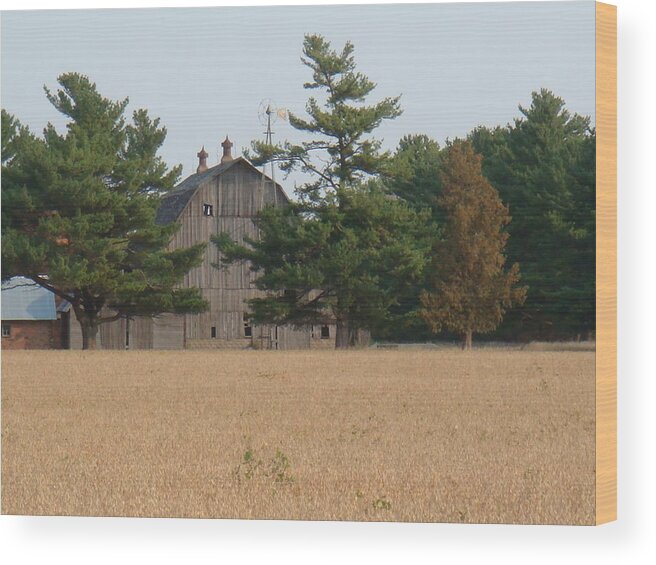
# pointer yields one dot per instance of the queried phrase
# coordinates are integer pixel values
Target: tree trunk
(467, 340)
(343, 334)
(361, 338)
(89, 332)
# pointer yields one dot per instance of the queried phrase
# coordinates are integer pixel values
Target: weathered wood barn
(222, 198)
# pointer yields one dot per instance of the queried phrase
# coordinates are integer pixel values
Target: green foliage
(471, 289)
(10, 127)
(346, 248)
(544, 168)
(279, 468)
(381, 504)
(414, 173)
(275, 468)
(333, 262)
(342, 156)
(79, 210)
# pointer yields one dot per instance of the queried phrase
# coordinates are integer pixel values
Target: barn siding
(165, 331)
(141, 333)
(291, 338)
(112, 335)
(75, 332)
(236, 195)
(168, 332)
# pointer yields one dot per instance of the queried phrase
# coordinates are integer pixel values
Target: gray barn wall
(236, 196)
(165, 331)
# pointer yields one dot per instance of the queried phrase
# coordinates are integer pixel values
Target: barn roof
(175, 201)
(23, 299)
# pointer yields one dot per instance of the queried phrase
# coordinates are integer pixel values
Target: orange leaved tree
(471, 289)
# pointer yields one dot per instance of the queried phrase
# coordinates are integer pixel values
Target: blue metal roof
(23, 299)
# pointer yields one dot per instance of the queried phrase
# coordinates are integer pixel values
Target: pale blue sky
(204, 71)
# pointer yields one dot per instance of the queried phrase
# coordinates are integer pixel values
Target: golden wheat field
(402, 435)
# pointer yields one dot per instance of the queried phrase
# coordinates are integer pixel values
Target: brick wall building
(30, 317)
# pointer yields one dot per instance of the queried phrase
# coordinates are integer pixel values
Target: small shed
(30, 317)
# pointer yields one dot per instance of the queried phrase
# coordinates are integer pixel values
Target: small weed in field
(269, 375)
(248, 466)
(357, 431)
(276, 468)
(529, 474)
(484, 435)
(279, 468)
(382, 504)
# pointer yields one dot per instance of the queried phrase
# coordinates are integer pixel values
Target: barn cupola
(202, 160)
(227, 155)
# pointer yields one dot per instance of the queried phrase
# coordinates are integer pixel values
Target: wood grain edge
(606, 174)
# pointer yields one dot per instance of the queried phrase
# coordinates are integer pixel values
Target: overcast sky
(204, 71)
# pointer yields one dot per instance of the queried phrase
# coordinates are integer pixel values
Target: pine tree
(413, 176)
(543, 166)
(79, 211)
(414, 172)
(343, 250)
(471, 289)
(342, 156)
(10, 128)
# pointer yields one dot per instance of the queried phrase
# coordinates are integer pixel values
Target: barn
(222, 198)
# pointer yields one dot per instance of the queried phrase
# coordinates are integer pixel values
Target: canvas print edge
(606, 360)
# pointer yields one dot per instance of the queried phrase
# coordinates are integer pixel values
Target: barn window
(213, 332)
(248, 329)
(325, 332)
(6, 330)
(208, 210)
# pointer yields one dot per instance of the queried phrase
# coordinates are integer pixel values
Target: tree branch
(43, 282)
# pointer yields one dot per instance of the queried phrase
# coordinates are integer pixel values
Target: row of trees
(369, 246)
(402, 245)
(543, 167)
(420, 242)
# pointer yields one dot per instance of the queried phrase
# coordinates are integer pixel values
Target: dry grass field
(401, 435)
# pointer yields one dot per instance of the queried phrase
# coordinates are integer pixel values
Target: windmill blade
(267, 111)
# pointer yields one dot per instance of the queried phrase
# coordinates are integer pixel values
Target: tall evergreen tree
(414, 172)
(471, 290)
(344, 249)
(413, 175)
(10, 128)
(342, 155)
(79, 211)
(544, 168)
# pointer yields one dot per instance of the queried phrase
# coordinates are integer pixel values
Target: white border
(630, 540)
